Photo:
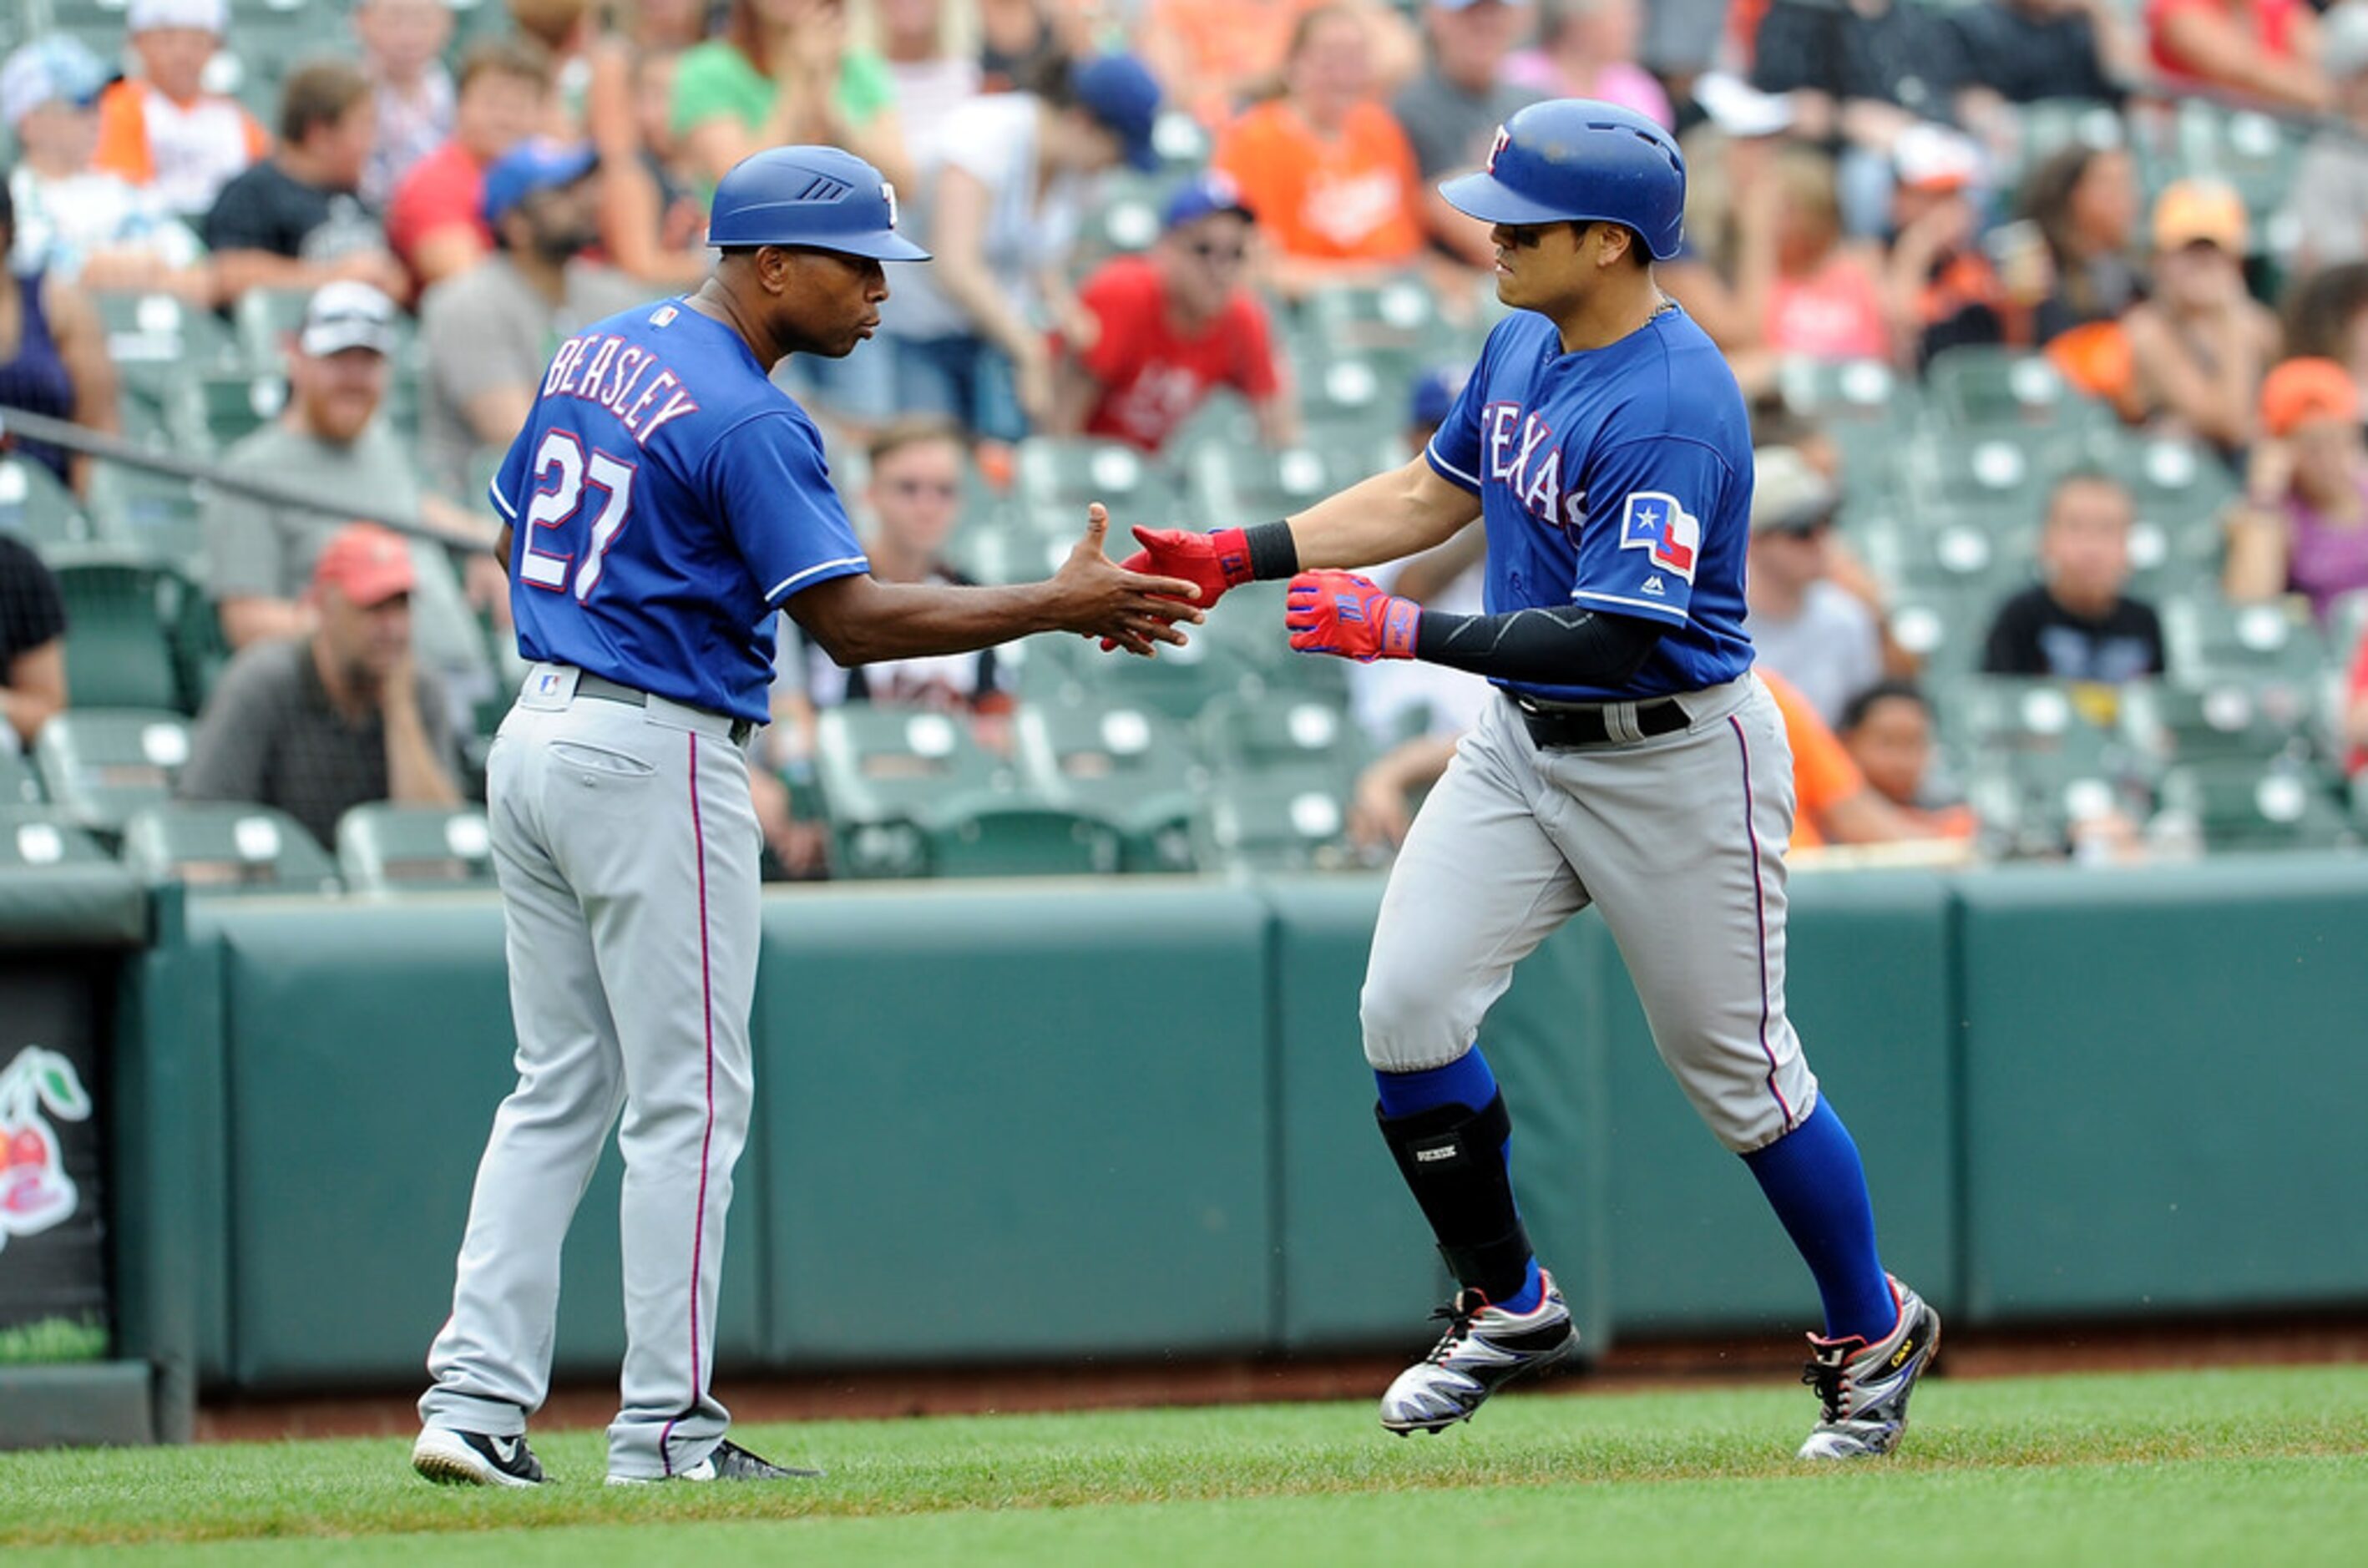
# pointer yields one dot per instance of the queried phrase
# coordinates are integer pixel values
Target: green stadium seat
(227, 406)
(1242, 735)
(908, 792)
(1982, 554)
(120, 605)
(1853, 392)
(384, 847)
(1397, 318)
(100, 766)
(226, 847)
(1230, 487)
(2050, 125)
(1976, 387)
(156, 514)
(2233, 804)
(1133, 766)
(1057, 477)
(155, 339)
(20, 786)
(38, 510)
(2213, 720)
(34, 837)
(2000, 474)
(1942, 628)
(2205, 636)
(1354, 395)
(1285, 819)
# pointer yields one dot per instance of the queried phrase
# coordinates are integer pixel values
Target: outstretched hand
(1356, 617)
(1125, 605)
(1212, 562)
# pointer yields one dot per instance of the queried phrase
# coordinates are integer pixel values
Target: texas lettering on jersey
(1524, 457)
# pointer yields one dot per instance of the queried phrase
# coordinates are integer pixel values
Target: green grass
(2206, 1467)
(50, 1340)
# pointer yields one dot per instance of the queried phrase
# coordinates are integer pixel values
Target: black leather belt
(1589, 725)
(607, 690)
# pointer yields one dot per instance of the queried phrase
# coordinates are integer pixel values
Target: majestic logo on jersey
(1504, 139)
(1652, 520)
(1655, 587)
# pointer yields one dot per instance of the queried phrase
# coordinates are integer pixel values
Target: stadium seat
(1242, 735)
(1976, 387)
(2004, 474)
(226, 847)
(1354, 395)
(1397, 319)
(2216, 720)
(1983, 553)
(908, 792)
(227, 406)
(99, 766)
(33, 837)
(1230, 487)
(1133, 766)
(1294, 820)
(384, 847)
(1862, 391)
(2205, 636)
(156, 514)
(2232, 804)
(20, 785)
(1942, 628)
(1058, 476)
(38, 510)
(121, 606)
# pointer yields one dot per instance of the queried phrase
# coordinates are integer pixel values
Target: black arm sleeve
(1562, 645)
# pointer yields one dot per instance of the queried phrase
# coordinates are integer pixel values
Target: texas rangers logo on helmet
(1504, 137)
(888, 194)
(1653, 520)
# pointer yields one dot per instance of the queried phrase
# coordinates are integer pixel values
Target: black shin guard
(1453, 1158)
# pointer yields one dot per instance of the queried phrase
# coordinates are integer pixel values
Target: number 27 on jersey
(563, 472)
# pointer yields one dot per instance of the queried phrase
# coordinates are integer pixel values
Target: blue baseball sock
(1815, 1184)
(1467, 1082)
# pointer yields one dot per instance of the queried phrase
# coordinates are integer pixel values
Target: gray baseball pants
(1678, 839)
(626, 850)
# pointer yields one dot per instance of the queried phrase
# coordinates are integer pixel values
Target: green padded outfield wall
(1358, 1269)
(1015, 1121)
(1694, 1248)
(2166, 1087)
(368, 1046)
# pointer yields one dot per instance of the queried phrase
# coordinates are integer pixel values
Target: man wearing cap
(1803, 625)
(74, 221)
(295, 219)
(162, 129)
(329, 441)
(317, 725)
(1161, 330)
(1451, 111)
(2198, 348)
(489, 330)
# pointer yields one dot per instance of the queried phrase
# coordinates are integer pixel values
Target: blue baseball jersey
(666, 498)
(1617, 479)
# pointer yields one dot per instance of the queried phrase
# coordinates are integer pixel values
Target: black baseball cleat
(474, 1459)
(726, 1461)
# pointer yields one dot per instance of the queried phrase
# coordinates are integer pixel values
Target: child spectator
(436, 222)
(295, 219)
(2077, 623)
(2303, 525)
(1887, 729)
(1170, 325)
(1330, 174)
(162, 129)
(79, 223)
(403, 48)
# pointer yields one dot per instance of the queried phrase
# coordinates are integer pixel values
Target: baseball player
(662, 501)
(1629, 760)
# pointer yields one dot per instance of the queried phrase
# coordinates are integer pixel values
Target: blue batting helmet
(1574, 160)
(817, 197)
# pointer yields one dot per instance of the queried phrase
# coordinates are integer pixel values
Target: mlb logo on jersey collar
(1653, 520)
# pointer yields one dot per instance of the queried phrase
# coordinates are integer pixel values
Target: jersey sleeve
(772, 487)
(1642, 537)
(1454, 449)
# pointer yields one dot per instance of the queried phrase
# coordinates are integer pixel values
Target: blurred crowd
(2048, 310)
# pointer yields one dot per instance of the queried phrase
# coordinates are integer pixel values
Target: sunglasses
(1527, 237)
(1209, 250)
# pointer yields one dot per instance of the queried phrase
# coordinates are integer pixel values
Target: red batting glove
(1212, 562)
(1339, 612)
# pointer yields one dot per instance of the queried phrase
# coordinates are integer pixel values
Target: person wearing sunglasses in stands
(1157, 332)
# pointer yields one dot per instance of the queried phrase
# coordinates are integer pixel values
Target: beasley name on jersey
(1618, 479)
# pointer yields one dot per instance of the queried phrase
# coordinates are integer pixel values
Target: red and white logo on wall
(35, 1191)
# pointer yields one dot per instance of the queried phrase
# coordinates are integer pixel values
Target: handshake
(1325, 613)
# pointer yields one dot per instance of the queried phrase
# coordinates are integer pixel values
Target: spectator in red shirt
(2266, 49)
(1171, 324)
(436, 222)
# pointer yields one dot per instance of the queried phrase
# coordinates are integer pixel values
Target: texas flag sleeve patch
(1653, 520)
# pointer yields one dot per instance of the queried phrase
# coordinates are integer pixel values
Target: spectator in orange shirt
(1887, 729)
(163, 129)
(1211, 54)
(1328, 170)
(1834, 802)
(436, 222)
